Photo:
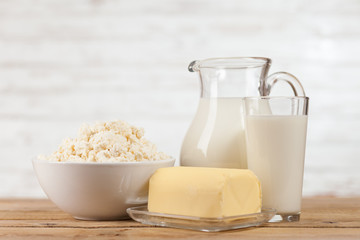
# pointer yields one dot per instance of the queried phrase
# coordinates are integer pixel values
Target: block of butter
(204, 192)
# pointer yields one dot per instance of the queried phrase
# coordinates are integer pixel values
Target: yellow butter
(204, 192)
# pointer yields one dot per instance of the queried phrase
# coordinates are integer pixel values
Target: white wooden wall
(66, 62)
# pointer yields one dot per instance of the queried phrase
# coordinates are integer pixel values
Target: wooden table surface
(322, 218)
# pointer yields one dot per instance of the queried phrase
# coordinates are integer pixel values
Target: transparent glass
(216, 137)
(142, 215)
(275, 130)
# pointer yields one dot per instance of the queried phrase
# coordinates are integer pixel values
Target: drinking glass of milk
(216, 136)
(275, 130)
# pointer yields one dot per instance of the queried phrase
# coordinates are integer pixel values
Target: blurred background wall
(66, 62)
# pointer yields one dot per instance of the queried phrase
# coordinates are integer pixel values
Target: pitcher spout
(194, 66)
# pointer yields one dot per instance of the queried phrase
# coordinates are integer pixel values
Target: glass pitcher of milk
(216, 137)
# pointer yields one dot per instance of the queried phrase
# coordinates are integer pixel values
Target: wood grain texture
(322, 218)
(157, 233)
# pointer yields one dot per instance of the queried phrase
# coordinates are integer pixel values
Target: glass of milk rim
(216, 136)
(275, 132)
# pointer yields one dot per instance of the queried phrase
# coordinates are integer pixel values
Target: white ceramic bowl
(97, 191)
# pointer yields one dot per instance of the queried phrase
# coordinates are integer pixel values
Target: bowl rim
(168, 160)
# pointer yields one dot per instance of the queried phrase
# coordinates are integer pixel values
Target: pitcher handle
(286, 77)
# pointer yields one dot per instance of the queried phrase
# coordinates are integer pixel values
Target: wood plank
(319, 221)
(170, 233)
(69, 223)
(328, 212)
(322, 218)
(27, 209)
(308, 203)
(27, 204)
(318, 212)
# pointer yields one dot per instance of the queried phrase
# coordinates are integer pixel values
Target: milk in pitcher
(216, 137)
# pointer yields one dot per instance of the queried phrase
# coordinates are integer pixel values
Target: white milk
(276, 152)
(216, 137)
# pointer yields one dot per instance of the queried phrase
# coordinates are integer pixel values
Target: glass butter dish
(142, 215)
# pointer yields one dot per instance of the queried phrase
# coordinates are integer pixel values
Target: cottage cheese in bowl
(114, 141)
(102, 172)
